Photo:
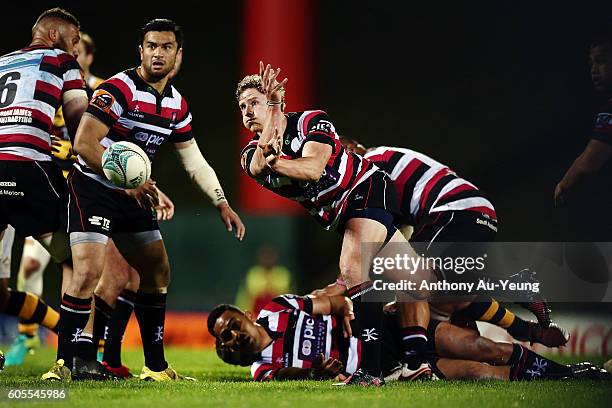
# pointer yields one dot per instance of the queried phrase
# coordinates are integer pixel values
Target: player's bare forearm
(336, 305)
(303, 169)
(595, 155)
(87, 141)
(73, 107)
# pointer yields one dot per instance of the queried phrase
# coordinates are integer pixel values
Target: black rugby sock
(414, 341)
(74, 313)
(116, 327)
(103, 313)
(150, 309)
(368, 316)
(527, 365)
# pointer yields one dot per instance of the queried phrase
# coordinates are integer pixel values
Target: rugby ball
(126, 165)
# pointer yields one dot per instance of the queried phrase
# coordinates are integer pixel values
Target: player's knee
(157, 278)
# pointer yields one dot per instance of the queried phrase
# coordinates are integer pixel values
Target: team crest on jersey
(103, 100)
(603, 120)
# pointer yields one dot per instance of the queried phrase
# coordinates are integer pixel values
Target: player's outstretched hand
(165, 208)
(559, 196)
(326, 368)
(270, 84)
(231, 220)
(146, 195)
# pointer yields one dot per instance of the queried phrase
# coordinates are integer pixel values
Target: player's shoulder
(287, 303)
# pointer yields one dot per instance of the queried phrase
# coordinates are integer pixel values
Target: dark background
(499, 91)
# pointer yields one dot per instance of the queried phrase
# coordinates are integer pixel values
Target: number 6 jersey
(32, 82)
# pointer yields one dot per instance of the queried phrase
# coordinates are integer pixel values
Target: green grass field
(222, 385)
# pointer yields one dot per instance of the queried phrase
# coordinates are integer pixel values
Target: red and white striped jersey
(299, 337)
(325, 199)
(425, 186)
(137, 113)
(32, 82)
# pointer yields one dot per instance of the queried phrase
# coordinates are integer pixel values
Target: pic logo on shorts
(100, 222)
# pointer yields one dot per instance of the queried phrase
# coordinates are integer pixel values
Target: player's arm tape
(73, 94)
(201, 173)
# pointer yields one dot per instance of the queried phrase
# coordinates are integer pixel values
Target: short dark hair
(59, 14)
(163, 24)
(216, 313)
(602, 35)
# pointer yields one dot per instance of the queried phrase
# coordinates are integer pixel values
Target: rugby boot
(21, 347)
(58, 372)
(588, 371)
(363, 379)
(121, 371)
(552, 335)
(534, 301)
(92, 370)
(403, 373)
(169, 374)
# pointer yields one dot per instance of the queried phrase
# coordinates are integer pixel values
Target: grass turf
(222, 385)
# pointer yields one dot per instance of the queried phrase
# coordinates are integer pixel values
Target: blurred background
(499, 91)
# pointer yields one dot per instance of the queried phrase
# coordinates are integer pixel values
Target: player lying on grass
(441, 207)
(310, 337)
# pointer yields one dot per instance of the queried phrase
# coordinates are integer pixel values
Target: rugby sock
(150, 310)
(74, 313)
(103, 313)
(28, 329)
(31, 309)
(527, 365)
(414, 341)
(116, 327)
(368, 316)
(487, 309)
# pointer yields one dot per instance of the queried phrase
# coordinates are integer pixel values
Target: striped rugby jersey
(299, 337)
(32, 82)
(602, 130)
(425, 186)
(325, 199)
(137, 113)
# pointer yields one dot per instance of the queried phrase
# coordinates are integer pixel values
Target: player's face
(237, 331)
(252, 104)
(158, 54)
(600, 59)
(85, 60)
(68, 39)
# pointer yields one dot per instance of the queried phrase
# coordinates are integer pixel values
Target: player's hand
(323, 369)
(231, 220)
(146, 195)
(560, 197)
(333, 289)
(165, 208)
(56, 144)
(269, 82)
(348, 315)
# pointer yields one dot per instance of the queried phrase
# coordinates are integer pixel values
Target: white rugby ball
(126, 165)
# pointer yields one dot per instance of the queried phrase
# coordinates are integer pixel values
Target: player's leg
(145, 252)
(115, 278)
(24, 305)
(119, 321)
(34, 260)
(75, 338)
(455, 369)
(455, 342)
